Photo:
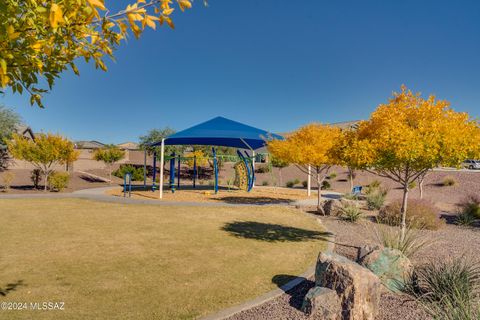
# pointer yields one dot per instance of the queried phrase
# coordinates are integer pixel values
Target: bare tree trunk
(403, 211)
(350, 173)
(420, 187)
(45, 174)
(280, 177)
(319, 196)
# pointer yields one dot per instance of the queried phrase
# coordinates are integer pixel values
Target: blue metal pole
(194, 169)
(154, 170)
(215, 168)
(172, 172)
(178, 173)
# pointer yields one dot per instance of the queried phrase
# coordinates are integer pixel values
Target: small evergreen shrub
(420, 214)
(265, 183)
(36, 177)
(305, 183)
(290, 184)
(326, 185)
(137, 173)
(464, 219)
(449, 182)
(58, 181)
(296, 181)
(471, 205)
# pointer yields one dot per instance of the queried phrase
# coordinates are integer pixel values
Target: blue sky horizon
(270, 65)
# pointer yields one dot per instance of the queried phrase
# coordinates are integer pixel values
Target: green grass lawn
(114, 261)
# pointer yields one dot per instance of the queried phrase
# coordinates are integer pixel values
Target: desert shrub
(373, 187)
(7, 180)
(326, 185)
(420, 214)
(296, 181)
(265, 183)
(290, 184)
(137, 173)
(36, 177)
(58, 181)
(350, 196)
(305, 183)
(471, 205)
(211, 183)
(412, 185)
(332, 175)
(351, 213)
(391, 237)
(449, 181)
(376, 199)
(262, 169)
(448, 289)
(464, 219)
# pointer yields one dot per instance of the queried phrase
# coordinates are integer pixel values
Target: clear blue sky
(274, 64)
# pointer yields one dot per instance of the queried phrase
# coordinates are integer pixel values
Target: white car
(471, 164)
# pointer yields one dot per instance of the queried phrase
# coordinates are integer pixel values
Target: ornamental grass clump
(351, 213)
(448, 289)
(409, 244)
(449, 182)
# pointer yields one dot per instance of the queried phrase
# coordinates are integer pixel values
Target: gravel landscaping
(450, 241)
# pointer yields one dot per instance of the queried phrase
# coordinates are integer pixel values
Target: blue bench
(357, 190)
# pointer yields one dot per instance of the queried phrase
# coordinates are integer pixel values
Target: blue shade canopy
(223, 132)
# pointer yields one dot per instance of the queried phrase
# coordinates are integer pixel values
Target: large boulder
(390, 265)
(332, 207)
(357, 287)
(322, 303)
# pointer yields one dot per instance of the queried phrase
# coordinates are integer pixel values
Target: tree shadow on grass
(298, 292)
(272, 232)
(10, 287)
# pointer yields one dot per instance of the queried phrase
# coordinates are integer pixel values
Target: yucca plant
(391, 237)
(448, 289)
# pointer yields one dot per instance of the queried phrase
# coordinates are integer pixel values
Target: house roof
(129, 145)
(25, 131)
(89, 144)
(221, 131)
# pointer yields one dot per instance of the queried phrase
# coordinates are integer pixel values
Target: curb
(228, 312)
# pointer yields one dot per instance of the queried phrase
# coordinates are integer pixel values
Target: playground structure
(215, 132)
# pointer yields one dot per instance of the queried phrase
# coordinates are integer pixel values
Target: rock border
(228, 312)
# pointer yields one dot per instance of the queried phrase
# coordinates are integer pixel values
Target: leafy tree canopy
(45, 152)
(8, 121)
(41, 39)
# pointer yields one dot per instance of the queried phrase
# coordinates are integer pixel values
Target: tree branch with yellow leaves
(40, 40)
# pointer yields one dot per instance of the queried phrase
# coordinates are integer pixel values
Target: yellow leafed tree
(311, 145)
(44, 153)
(41, 39)
(410, 135)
